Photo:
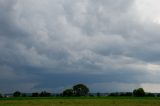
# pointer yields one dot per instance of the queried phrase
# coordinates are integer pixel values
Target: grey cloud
(55, 43)
(94, 17)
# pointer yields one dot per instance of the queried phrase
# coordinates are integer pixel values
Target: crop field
(108, 101)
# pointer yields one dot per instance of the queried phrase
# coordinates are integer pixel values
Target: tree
(139, 92)
(68, 92)
(80, 90)
(17, 94)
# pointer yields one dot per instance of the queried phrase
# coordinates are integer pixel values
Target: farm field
(108, 101)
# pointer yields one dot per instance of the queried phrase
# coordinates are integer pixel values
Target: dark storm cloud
(54, 44)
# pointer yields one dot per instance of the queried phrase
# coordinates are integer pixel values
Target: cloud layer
(53, 44)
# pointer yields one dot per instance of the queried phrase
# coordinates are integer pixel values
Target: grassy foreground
(108, 101)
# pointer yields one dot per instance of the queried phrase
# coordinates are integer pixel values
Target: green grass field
(107, 101)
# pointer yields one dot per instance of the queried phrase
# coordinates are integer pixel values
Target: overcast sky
(109, 45)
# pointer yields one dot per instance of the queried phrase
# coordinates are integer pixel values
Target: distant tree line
(121, 94)
(42, 94)
(136, 93)
(35, 94)
(83, 90)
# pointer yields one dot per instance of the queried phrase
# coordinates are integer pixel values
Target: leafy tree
(139, 92)
(17, 94)
(68, 92)
(44, 94)
(80, 90)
